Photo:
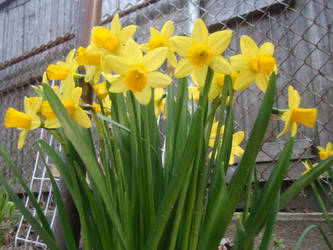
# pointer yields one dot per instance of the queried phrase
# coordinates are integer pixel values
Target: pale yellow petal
(262, 81)
(329, 146)
(219, 41)
(214, 92)
(35, 122)
(22, 137)
(154, 32)
(286, 117)
(144, 47)
(76, 95)
(200, 74)
(232, 159)
(133, 51)
(294, 98)
(115, 24)
(238, 151)
(180, 44)
(155, 58)
(167, 29)
(172, 59)
(52, 124)
(27, 107)
(144, 96)
(244, 80)
(126, 33)
(293, 129)
(248, 46)
(158, 80)
(183, 68)
(321, 148)
(70, 56)
(240, 62)
(90, 72)
(237, 138)
(200, 32)
(118, 86)
(267, 48)
(36, 106)
(67, 87)
(81, 118)
(118, 64)
(220, 65)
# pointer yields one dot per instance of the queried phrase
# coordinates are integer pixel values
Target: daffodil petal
(144, 96)
(238, 151)
(172, 59)
(262, 81)
(293, 129)
(22, 137)
(27, 108)
(126, 33)
(214, 92)
(81, 118)
(76, 95)
(158, 80)
(144, 47)
(237, 138)
(232, 159)
(248, 46)
(220, 65)
(184, 68)
(329, 146)
(244, 80)
(294, 98)
(115, 24)
(118, 86)
(154, 32)
(286, 118)
(240, 62)
(133, 50)
(67, 88)
(180, 44)
(167, 29)
(219, 41)
(155, 58)
(70, 56)
(200, 74)
(52, 124)
(35, 122)
(267, 48)
(200, 32)
(118, 64)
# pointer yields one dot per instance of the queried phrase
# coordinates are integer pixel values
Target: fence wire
(300, 30)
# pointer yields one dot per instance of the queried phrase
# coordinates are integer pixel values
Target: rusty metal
(38, 50)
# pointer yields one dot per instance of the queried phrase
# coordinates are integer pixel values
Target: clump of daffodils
(115, 63)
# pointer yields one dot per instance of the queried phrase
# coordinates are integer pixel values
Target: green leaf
(305, 180)
(263, 204)
(306, 231)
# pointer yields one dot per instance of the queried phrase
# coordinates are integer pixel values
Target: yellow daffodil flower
(201, 51)
(26, 121)
(254, 64)
(308, 167)
(62, 70)
(324, 153)
(237, 138)
(160, 39)
(106, 102)
(137, 72)
(70, 99)
(194, 93)
(296, 115)
(217, 84)
(114, 39)
(101, 90)
(91, 58)
(159, 102)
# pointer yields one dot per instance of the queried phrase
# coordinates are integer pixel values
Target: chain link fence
(300, 30)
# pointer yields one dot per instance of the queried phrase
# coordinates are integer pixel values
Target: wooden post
(89, 16)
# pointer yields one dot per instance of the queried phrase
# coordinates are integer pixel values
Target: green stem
(247, 198)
